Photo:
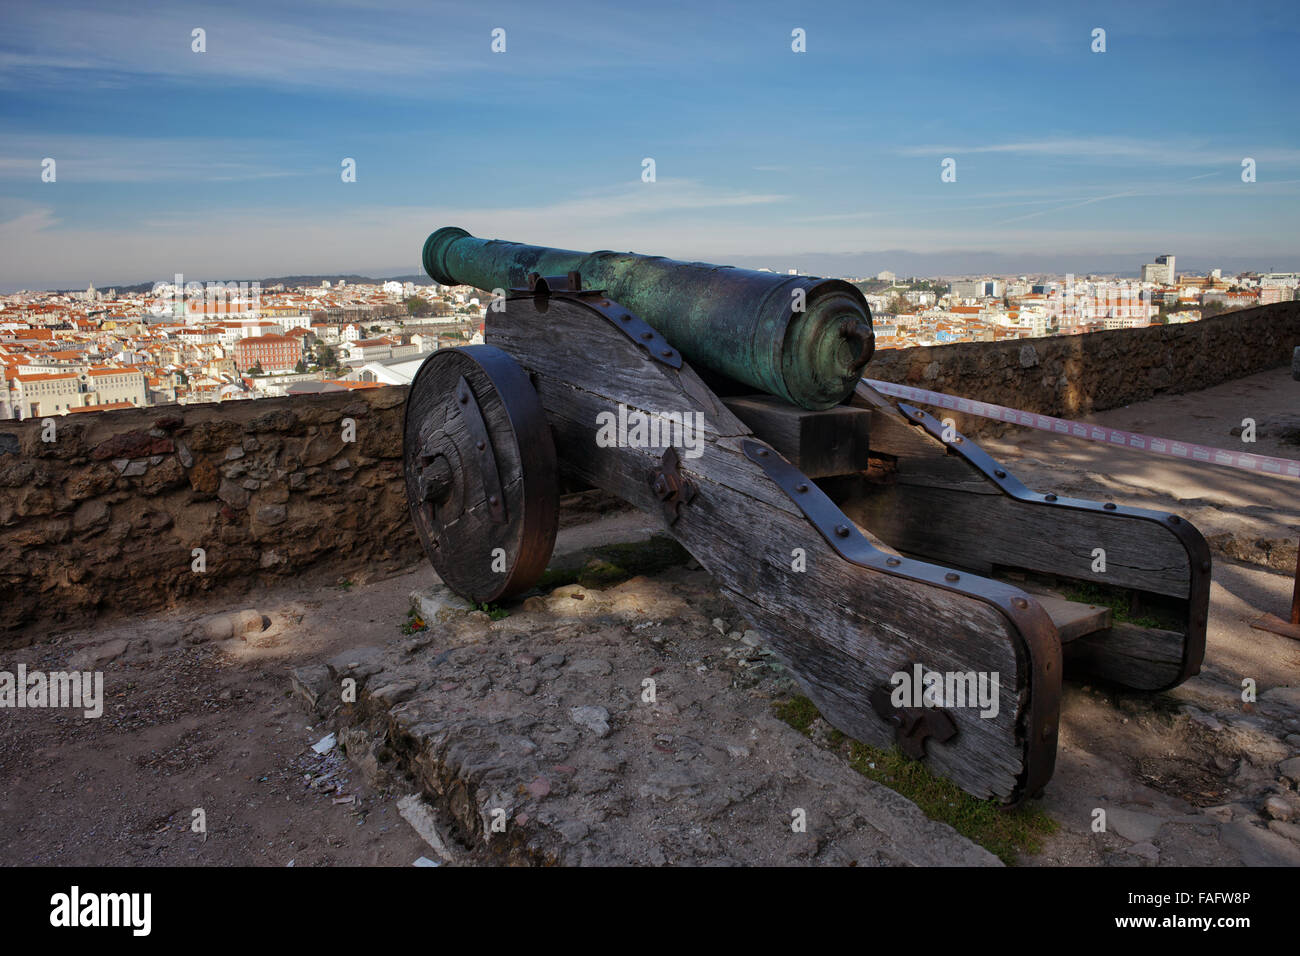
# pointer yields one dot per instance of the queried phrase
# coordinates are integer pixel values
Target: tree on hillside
(417, 306)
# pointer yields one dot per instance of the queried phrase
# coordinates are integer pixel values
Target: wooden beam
(834, 441)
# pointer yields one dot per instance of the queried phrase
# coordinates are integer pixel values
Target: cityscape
(186, 343)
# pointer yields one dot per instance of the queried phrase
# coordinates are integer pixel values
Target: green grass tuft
(614, 563)
(1004, 833)
(1118, 602)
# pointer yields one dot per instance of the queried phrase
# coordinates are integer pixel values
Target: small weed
(1118, 602)
(413, 623)
(1005, 833)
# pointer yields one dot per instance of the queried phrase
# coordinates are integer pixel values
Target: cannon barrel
(803, 339)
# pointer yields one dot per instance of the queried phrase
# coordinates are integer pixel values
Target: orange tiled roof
(44, 378)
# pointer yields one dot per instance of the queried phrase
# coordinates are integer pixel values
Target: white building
(1160, 272)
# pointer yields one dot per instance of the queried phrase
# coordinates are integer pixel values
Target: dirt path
(189, 726)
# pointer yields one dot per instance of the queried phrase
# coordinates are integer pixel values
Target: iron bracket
(913, 725)
(671, 487)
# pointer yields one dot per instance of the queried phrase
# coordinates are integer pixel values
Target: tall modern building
(1160, 272)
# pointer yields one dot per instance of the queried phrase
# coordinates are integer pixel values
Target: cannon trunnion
(908, 583)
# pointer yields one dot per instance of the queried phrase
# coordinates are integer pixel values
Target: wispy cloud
(1146, 153)
(119, 159)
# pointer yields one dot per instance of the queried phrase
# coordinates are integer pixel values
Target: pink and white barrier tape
(1113, 436)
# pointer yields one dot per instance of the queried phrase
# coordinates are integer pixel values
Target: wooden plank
(1143, 658)
(834, 441)
(951, 526)
(841, 629)
(1072, 619)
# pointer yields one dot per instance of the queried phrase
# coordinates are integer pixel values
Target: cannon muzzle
(803, 339)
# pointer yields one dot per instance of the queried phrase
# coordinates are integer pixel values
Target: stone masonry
(105, 517)
(1072, 375)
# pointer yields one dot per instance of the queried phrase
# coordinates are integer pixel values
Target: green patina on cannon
(802, 339)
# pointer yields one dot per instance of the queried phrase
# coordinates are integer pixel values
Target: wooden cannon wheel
(480, 472)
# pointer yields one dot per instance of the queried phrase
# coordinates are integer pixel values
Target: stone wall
(1070, 376)
(105, 517)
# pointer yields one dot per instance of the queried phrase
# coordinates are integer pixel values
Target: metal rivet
(667, 353)
(957, 440)
(1205, 566)
(479, 445)
(1174, 519)
(952, 576)
(1109, 506)
(842, 530)
(1049, 497)
(464, 399)
(493, 500)
(801, 488)
(1000, 473)
(1020, 603)
(893, 562)
(1048, 730)
(762, 453)
(626, 318)
(647, 335)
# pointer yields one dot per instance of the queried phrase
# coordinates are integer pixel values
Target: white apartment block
(104, 386)
(35, 396)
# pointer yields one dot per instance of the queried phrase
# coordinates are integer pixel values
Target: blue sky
(227, 163)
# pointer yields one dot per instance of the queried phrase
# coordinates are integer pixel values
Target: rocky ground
(628, 726)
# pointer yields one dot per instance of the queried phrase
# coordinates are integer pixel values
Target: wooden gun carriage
(863, 539)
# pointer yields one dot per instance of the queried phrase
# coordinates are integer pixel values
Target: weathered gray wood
(835, 441)
(840, 629)
(1143, 658)
(1072, 619)
(982, 531)
(460, 518)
